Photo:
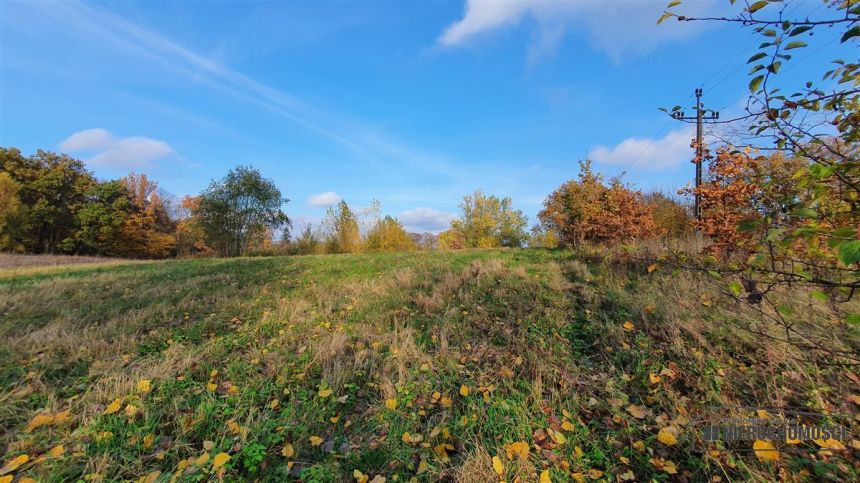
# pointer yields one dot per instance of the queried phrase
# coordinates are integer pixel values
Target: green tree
(308, 242)
(239, 208)
(100, 220)
(51, 187)
(488, 221)
(9, 201)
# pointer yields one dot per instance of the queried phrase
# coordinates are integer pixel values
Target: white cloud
(619, 29)
(109, 151)
(324, 199)
(425, 219)
(667, 152)
(88, 140)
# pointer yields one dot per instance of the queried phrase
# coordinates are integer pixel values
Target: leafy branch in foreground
(789, 218)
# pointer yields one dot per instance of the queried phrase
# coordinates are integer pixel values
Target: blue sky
(413, 104)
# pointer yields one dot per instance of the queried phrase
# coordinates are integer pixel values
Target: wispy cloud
(133, 41)
(619, 29)
(107, 150)
(324, 199)
(667, 152)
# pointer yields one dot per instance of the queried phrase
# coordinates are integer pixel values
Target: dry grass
(10, 261)
(536, 337)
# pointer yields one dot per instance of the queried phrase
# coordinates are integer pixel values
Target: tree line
(50, 203)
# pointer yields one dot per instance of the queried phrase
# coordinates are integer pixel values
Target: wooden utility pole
(701, 115)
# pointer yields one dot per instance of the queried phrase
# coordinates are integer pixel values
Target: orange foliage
(588, 209)
(190, 239)
(146, 231)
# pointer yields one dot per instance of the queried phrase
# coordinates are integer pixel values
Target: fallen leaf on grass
(498, 466)
(144, 385)
(765, 450)
(668, 436)
(637, 412)
(517, 448)
(831, 443)
(288, 451)
(114, 406)
(219, 460)
(14, 464)
(152, 477)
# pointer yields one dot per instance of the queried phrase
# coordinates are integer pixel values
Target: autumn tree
(671, 217)
(488, 221)
(451, 239)
(341, 231)
(804, 204)
(589, 209)
(240, 207)
(388, 235)
(148, 231)
(792, 221)
(541, 237)
(190, 237)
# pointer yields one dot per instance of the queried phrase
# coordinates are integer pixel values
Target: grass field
(469, 366)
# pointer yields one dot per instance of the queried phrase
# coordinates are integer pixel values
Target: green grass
(246, 356)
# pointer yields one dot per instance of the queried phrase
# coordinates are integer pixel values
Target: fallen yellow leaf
(628, 326)
(56, 451)
(144, 385)
(464, 390)
(315, 440)
(131, 410)
(114, 406)
(831, 443)
(765, 450)
(544, 477)
(391, 404)
(667, 436)
(150, 478)
(498, 466)
(288, 451)
(38, 421)
(518, 448)
(324, 393)
(14, 464)
(219, 460)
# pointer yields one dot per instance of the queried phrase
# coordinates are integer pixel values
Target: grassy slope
(470, 350)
